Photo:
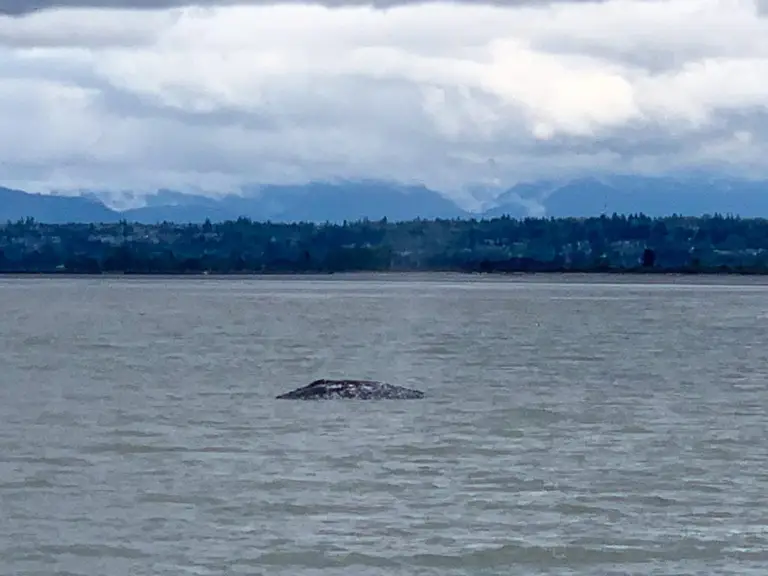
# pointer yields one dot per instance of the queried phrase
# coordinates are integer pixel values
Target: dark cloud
(21, 7)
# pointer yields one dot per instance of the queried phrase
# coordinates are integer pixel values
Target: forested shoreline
(618, 243)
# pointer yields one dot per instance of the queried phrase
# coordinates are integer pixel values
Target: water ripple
(568, 429)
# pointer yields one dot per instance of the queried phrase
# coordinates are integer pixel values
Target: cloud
(451, 95)
(19, 7)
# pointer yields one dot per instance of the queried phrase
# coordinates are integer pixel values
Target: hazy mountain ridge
(320, 202)
(17, 204)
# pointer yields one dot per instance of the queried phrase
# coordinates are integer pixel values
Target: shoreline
(580, 277)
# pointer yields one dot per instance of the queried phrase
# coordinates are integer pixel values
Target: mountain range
(335, 202)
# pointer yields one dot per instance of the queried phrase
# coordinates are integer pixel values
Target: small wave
(691, 486)
(655, 500)
(564, 555)
(26, 484)
(163, 498)
(539, 415)
(94, 551)
(634, 429)
(576, 509)
(129, 448)
(57, 461)
(133, 434)
(322, 510)
(322, 560)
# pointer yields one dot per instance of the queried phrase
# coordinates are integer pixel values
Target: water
(570, 428)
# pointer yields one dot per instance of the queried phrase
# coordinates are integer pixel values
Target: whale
(351, 390)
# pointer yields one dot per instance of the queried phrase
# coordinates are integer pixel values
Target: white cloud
(447, 94)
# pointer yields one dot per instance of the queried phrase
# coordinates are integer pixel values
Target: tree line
(617, 243)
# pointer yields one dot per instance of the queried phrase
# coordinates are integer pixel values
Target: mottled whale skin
(351, 390)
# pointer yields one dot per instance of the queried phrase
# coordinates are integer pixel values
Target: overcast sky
(152, 93)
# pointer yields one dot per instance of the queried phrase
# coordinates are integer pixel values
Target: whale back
(326, 389)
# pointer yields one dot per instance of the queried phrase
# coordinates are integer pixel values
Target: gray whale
(351, 389)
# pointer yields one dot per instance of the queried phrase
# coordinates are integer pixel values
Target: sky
(145, 94)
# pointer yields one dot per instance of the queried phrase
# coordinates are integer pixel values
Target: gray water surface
(569, 428)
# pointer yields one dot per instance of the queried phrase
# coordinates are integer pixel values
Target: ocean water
(574, 426)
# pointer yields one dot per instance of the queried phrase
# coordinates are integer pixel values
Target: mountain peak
(693, 195)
